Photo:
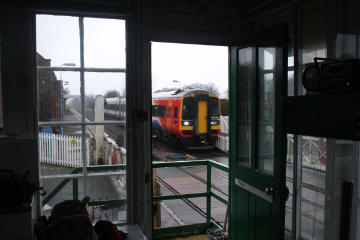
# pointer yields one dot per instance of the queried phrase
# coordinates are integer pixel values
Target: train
(189, 117)
(115, 108)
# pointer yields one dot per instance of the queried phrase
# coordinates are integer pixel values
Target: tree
(111, 94)
(165, 89)
(210, 87)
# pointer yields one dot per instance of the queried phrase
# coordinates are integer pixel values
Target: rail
(74, 179)
(193, 228)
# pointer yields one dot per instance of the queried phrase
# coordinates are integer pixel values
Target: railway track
(187, 201)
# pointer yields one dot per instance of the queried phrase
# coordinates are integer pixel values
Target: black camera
(332, 76)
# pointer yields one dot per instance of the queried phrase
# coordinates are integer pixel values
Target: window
(188, 109)
(214, 107)
(81, 73)
(158, 111)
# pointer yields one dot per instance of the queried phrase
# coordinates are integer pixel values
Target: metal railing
(193, 228)
(160, 232)
(75, 174)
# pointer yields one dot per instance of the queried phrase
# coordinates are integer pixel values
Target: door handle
(269, 191)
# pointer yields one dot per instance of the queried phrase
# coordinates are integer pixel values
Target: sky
(57, 38)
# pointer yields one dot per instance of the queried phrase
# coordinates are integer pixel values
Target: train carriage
(115, 108)
(190, 116)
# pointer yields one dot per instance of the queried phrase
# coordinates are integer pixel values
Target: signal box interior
(293, 169)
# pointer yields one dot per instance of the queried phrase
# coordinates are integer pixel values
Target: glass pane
(111, 192)
(59, 100)
(61, 153)
(105, 96)
(104, 43)
(66, 192)
(291, 86)
(266, 109)
(244, 95)
(313, 152)
(107, 144)
(289, 181)
(57, 40)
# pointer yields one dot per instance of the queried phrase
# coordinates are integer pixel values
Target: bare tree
(211, 87)
(111, 94)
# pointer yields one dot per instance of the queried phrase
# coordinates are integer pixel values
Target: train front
(200, 120)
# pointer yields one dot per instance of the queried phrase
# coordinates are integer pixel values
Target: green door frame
(255, 213)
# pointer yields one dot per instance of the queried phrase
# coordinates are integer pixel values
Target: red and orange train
(190, 117)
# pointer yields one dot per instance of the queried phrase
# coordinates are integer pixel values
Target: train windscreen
(188, 109)
(213, 107)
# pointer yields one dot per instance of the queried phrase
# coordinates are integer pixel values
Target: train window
(213, 107)
(188, 109)
(175, 112)
(158, 111)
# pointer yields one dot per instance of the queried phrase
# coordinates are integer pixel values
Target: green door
(258, 76)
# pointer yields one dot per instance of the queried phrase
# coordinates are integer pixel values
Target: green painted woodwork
(167, 233)
(258, 80)
(180, 196)
(161, 233)
(75, 180)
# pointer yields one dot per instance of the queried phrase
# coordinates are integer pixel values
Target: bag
(106, 230)
(70, 220)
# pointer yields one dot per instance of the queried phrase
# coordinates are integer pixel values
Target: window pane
(57, 40)
(111, 88)
(188, 109)
(111, 192)
(104, 43)
(313, 187)
(61, 153)
(289, 181)
(59, 100)
(107, 144)
(213, 107)
(266, 109)
(245, 78)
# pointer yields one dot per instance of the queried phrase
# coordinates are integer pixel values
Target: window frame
(83, 123)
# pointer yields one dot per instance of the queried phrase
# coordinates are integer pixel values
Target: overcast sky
(104, 40)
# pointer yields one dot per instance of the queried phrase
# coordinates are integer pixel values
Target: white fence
(62, 150)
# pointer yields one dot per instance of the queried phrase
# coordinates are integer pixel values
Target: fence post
(208, 197)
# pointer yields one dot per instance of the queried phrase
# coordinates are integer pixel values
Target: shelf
(323, 115)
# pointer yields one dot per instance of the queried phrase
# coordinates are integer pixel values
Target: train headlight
(187, 123)
(214, 122)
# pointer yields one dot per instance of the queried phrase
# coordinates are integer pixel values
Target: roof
(179, 93)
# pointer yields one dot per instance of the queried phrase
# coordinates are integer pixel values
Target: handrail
(161, 231)
(208, 194)
(62, 184)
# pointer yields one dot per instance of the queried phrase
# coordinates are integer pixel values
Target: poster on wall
(203, 7)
